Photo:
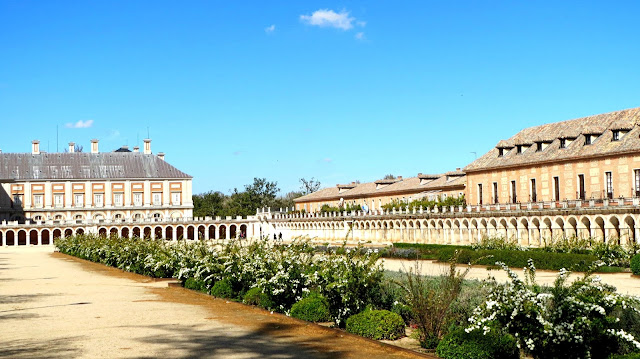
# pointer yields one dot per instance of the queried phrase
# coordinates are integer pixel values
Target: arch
(146, 232)
(201, 232)
(102, 232)
(630, 230)
(68, 232)
(191, 232)
(169, 233)
(57, 233)
(79, 231)
(599, 230)
(125, 232)
(571, 227)
(136, 232)
(33, 237)
(180, 232)
(212, 232)
(585, 228)
(10, 238)
(243, 231)
(222, 234)
(233, 230)
(157, 232)
(99, 216)
(113, 232)
(614, 230)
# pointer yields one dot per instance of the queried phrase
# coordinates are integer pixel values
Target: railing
(548, 205)
(127, 221)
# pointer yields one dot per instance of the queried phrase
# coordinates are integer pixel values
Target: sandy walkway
(624, 282)
(53, 306)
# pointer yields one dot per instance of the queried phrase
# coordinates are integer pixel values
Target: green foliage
(459, 344)
(425, 203)
(196, 284)
(635, 264)
(313, 308)
(348, 208)
(497, 243)
(255, 296)
(625, 356)
(376, 324)
(223, 289)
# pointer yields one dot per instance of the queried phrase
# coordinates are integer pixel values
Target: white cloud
(329, 18)
(270, 29)
(327, 160)
(360, 36)
(361, 23)
(79, 124)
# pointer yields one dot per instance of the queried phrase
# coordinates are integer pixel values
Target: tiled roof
(602, 145)
(81, 166)
(411, 185)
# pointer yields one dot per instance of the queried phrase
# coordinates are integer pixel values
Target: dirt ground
(55, 306)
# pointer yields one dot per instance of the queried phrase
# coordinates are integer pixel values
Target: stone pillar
(40, 238)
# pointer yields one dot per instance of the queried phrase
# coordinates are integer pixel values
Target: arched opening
(201, 232)
(558, 230)
(191, 233)
(125, 232)
(158, 232)
(33, 237)
(599, 228)
(113, 232)
(10, 238)
(586, 231)
(79, 231)
(169, 233)
(22, 238)
(57, 234)
(147, 232)
(2, 239)
(68, 232)
(243, 231)
(614, 231)
(180, 232)
(233, 232)
(102, 232)
(222, 234)
(630, 234)
(136, 232)
(212, 232)
(572, 229)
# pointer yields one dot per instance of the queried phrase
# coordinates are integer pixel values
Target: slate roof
(573, 129)
(412, 185)
(85, 166)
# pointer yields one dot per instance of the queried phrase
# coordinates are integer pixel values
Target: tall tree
(309, 185)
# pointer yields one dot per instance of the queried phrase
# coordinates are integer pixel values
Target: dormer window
(538, 146)
(563, 143)
(616, 135)
(519, 149)
(587, 139)
(500, 152)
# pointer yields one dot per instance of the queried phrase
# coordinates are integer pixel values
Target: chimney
(147, 146)
(136, 149)
(94, 146)
(35, 147)
(161, 155)
(399, 177)
(72, 147)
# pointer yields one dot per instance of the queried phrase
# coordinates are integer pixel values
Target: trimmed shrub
(255, 296)
(223, 289)
(376, 324)
(196, 284)
(635, 264)
(625, 356)
(314, 308)
(461, 345)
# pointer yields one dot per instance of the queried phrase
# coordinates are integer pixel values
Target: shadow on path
(38, 348)
(220, 343)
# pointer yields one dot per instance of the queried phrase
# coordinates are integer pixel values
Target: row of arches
(527, 231)
(45, 236)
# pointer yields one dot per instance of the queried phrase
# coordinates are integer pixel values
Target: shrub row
(283, 274)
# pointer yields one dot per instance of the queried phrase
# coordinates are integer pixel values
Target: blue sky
(339, 91)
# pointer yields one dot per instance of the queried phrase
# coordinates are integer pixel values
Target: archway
(169, 233)
(22, 237)
(212, 232)
(102, 232)
(57, 234)
(147, 232)
(136, 232)
(125, 232)
(158, 232)
(180, 232)
(243, 231)
(33, 237)
(201, 232)
(79, 231)
(113, 232)
(222, 234)
(630, 234)
(11, 240)
(68, 232)
(233, 231)
(191, 233)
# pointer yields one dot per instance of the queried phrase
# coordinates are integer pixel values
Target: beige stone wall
(374, 202)
(621, 168)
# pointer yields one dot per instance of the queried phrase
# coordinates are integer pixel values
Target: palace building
(595, 157)
(74, 186)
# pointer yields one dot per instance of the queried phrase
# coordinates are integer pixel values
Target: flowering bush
(498, 243)
(577, 320)
(283, 273)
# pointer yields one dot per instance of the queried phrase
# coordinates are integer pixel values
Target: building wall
(594, 171)
(36, 200)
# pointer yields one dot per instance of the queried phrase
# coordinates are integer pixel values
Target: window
(117, 199)
(538, 146)
(563, 143)
(118, 216)
(58, 200)
(495, 192)
(534, 195)
(137, 199)
(37, 218)
(514, 198)
(37, 200)
(157, 215)
(176, 198)
(581, 191)
(78, 199)
(587, 139)
(609, 184)
(157, 198)
(519, 149)
(616, 135)
(500, 152)
(17, 200)
(636, 181)
(98, 199)
(479, 193)
(556, 188)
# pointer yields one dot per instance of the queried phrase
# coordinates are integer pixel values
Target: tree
(209, 204)
(309, 185)
(76, 148)
(389, 176)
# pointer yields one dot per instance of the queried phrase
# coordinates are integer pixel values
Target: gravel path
(55, 306)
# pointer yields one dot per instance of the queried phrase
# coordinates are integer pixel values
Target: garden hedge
(459, 344)
(635, 264)
(314, 308)
(376, 324)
